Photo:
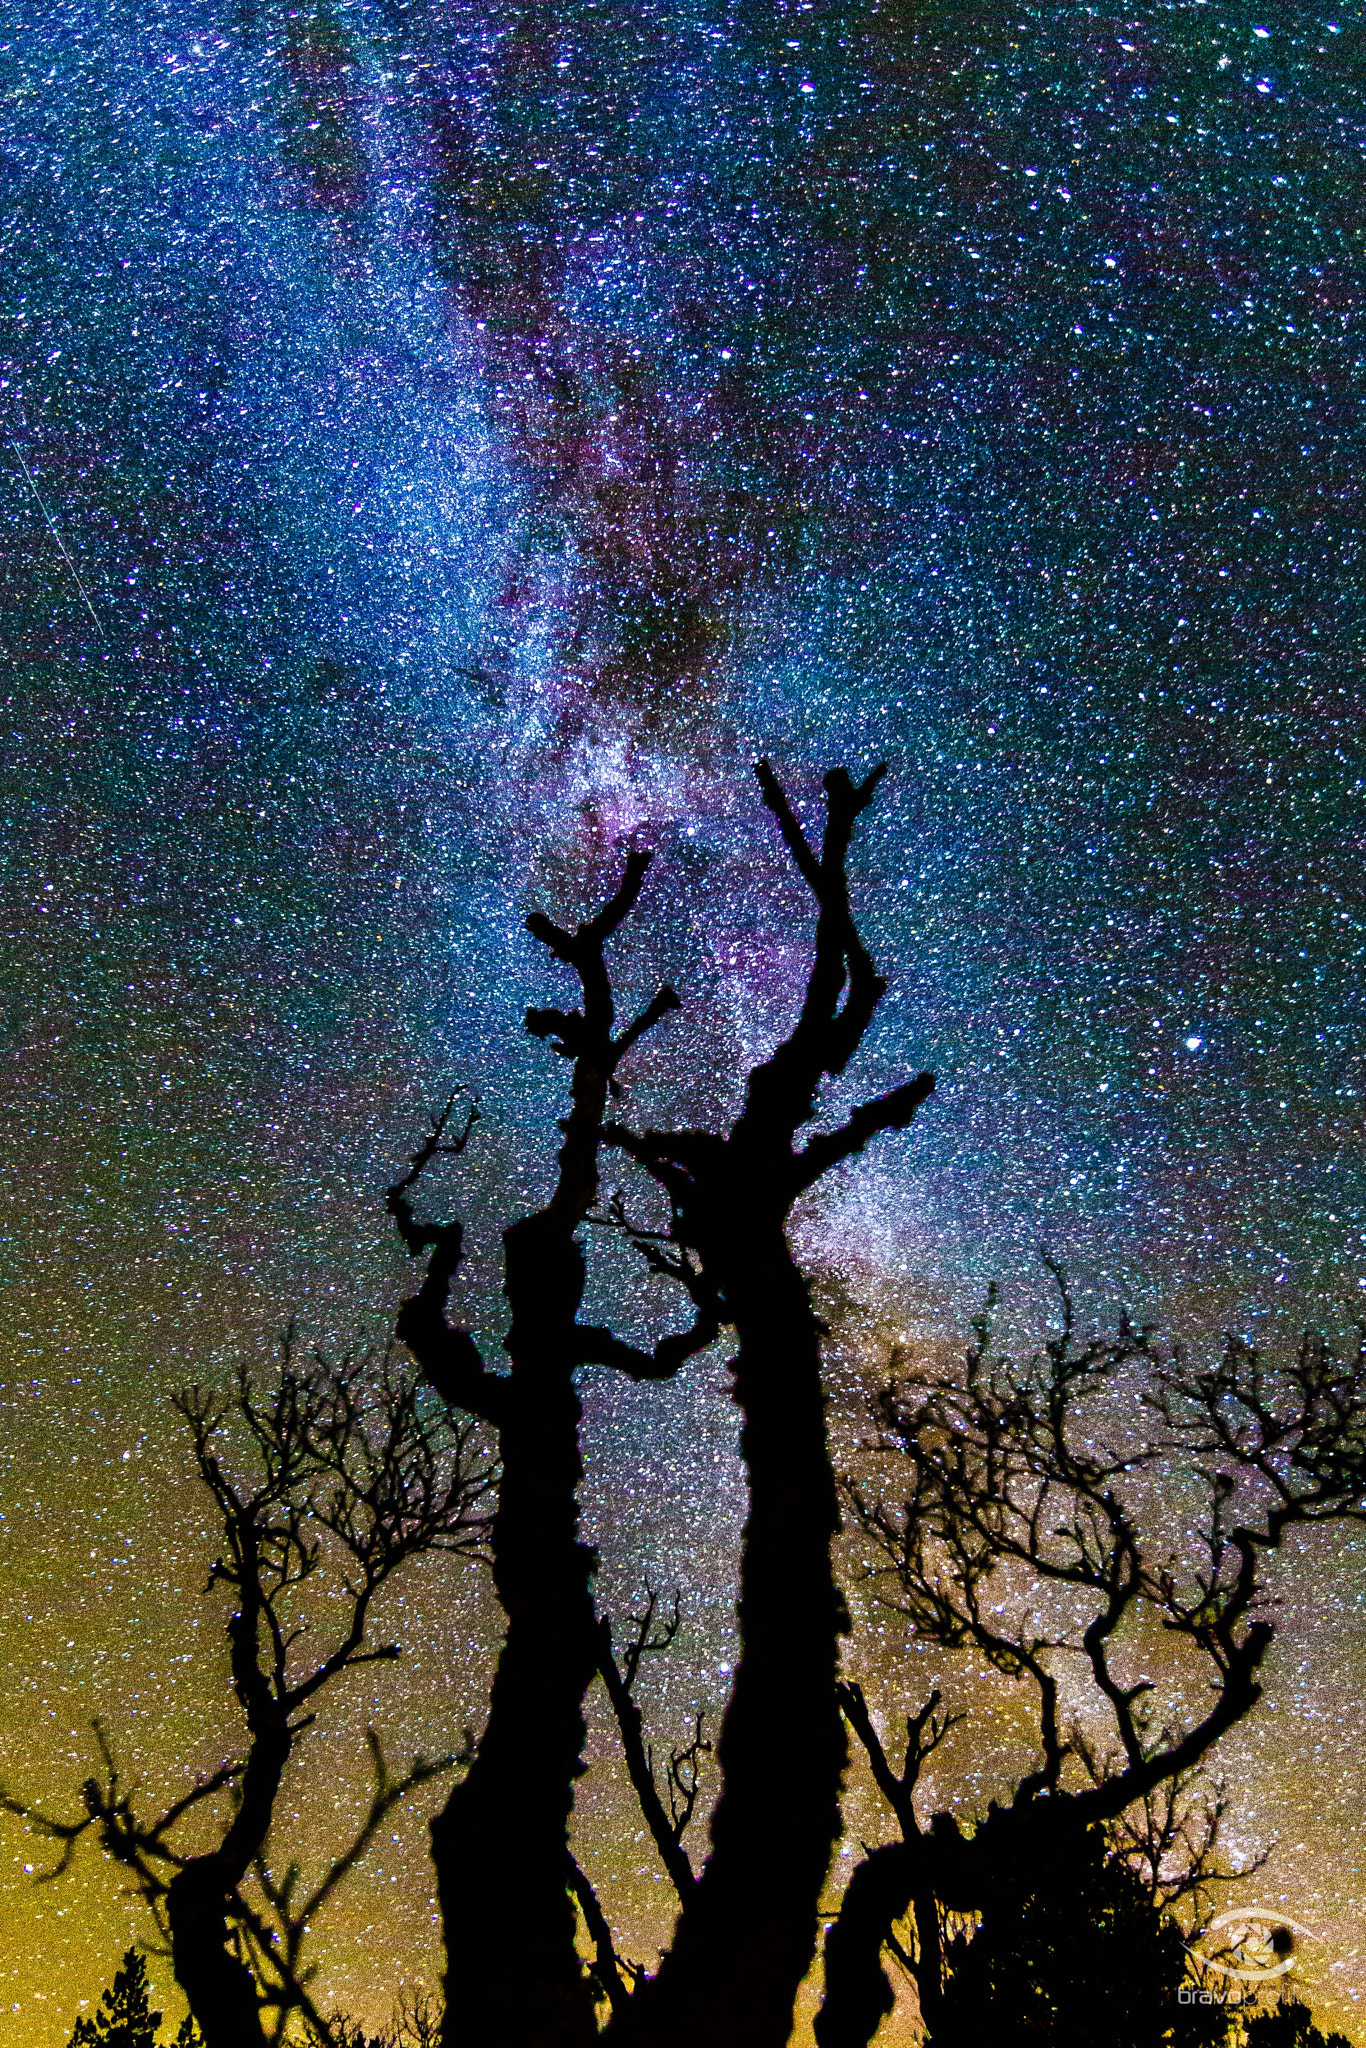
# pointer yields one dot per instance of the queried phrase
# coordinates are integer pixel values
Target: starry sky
(442, 444)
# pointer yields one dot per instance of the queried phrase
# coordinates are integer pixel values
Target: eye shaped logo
(1254, 1943)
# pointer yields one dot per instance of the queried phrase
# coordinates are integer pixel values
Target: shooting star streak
(52, 529)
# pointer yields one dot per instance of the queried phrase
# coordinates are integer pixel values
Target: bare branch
(449, 1357)
(292, 1918)
(794, 839)
(656, 1009)
(620, 1685)
(416, 1237)
(683, 1773)
(588, 939)
(925, 1730)
(891, 1112)
(595, 1346)
(609, 1970)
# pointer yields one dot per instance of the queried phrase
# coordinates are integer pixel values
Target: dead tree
(747, 1931)
(1030, 1528)
(505, 1879)
(326, 1484)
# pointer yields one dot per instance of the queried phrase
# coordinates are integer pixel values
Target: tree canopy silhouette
(1069, 1949)
(326, 1480)
(1289, 2024)
(1023, 1514)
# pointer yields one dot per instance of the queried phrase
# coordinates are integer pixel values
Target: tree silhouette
(506, 1881)
(124, 2018)
(747, 1930)
(1030, 1525)
(1068, 1949)
(327, 1482)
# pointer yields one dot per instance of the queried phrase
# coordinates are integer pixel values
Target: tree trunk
(929, 1961)
(858, 1993)
(748, 1934)
(500, 1846)
(220, 1989)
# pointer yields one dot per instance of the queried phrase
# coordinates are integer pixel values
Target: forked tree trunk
(747, 1933)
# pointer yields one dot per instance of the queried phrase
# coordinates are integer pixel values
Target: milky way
(443, 446)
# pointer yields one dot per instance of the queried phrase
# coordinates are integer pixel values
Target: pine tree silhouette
(124, 2019)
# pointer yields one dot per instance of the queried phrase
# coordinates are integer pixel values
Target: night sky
(442, 445)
